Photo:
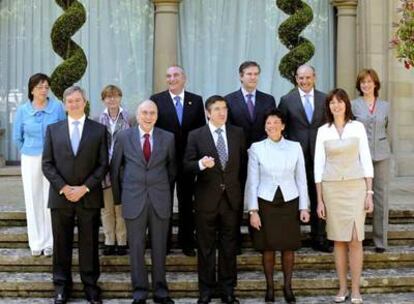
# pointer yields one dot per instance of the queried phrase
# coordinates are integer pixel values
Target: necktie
(308, 109)
(147, 147)
(178, 108)
(221, 149)
(75, 138)
(250, 105)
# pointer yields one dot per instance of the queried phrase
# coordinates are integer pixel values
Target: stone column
(165, 39)
(346, 59)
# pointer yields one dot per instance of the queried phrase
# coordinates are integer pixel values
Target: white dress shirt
(310, 95)
(142, 137)
(273, 165)
(245, 93)
(80, 126)
(215, 138)
(181, 95)
(352, 129)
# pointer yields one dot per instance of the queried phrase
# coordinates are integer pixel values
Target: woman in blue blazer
(276, 190)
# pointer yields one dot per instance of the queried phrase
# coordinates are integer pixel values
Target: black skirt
(280, 225)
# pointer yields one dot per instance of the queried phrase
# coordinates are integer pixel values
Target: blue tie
(221, 149)
(250, 106)
(179, 108)
(308, 109)
(75, 138)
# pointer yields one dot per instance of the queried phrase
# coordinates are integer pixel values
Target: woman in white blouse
(343, 177)
(276, 190)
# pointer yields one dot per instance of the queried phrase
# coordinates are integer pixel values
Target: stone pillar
(346, 59)
(165, 39)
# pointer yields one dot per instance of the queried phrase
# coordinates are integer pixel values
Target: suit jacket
(134, 180)
(88, 167)
(212, 182)
(265, 175)
(376, 125)
(193, 117)
(297, 126)
(239, 114)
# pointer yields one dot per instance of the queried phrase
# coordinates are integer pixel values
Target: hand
(369, 204)
(207, 161)
(75, 193)
(255, 221)
(321, 211)
(304, 215)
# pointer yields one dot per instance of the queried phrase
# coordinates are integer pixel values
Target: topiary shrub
(301, 49)
(74, 65)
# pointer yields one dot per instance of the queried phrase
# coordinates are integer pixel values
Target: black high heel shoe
(270, 295)
(288, 295)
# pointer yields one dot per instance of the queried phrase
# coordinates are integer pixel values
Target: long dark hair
(340, 94)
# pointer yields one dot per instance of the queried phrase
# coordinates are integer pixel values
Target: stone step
(391, 298)
(20, 260)
(396, 216)
(398, 234)
(250, 284)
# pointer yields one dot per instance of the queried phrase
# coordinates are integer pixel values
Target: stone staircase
(387, 277)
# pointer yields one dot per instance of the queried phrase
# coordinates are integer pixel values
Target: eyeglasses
(39, 87)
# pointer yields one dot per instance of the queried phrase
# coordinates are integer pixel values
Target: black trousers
(185, 192)
(217, 230)
(63, 224)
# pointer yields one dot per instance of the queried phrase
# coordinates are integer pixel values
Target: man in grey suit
(142, 169)
(304, 108)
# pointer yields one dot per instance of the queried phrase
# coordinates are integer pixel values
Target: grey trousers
(381, 192)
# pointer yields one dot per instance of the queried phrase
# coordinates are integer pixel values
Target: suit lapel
(231, 144)
(156, 142)
(85, 134)
(211, 144)
(65, 130)
(186, 108)
(169, 106)
(241, 103)
(136, 144)
(318, 102)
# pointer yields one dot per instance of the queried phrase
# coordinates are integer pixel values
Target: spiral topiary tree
(74, 65)
(301, 49)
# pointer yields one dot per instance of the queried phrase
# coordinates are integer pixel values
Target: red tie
(147, 147)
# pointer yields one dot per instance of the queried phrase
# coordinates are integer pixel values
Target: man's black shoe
(204, 300)
(323, 246)
(141, 301)
(121, 250)
(229, 300)
(165, 300)
(189, 252)
(61, 298)
(95, 301)
(379, 250)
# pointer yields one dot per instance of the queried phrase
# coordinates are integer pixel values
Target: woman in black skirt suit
(276, 197)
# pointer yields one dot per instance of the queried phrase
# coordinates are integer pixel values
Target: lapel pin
(190, 103)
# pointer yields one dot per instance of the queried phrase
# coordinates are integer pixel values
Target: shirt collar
(81, 120)
(106, 111)
(302, 93)
(245, 92)
(47, 109)
(142, 132)
(213, 128)
(181, 96)
(281, 143)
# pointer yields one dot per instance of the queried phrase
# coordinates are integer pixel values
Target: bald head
(147, 114)
(305, 78)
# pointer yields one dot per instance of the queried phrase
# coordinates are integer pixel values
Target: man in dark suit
(180, 112)
(248, 106)
(216, 153)
(75, 160)
(142, 169)
(304, 108)
(247, 109)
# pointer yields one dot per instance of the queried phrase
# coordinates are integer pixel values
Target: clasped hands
(207, 161)
(74, 193)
